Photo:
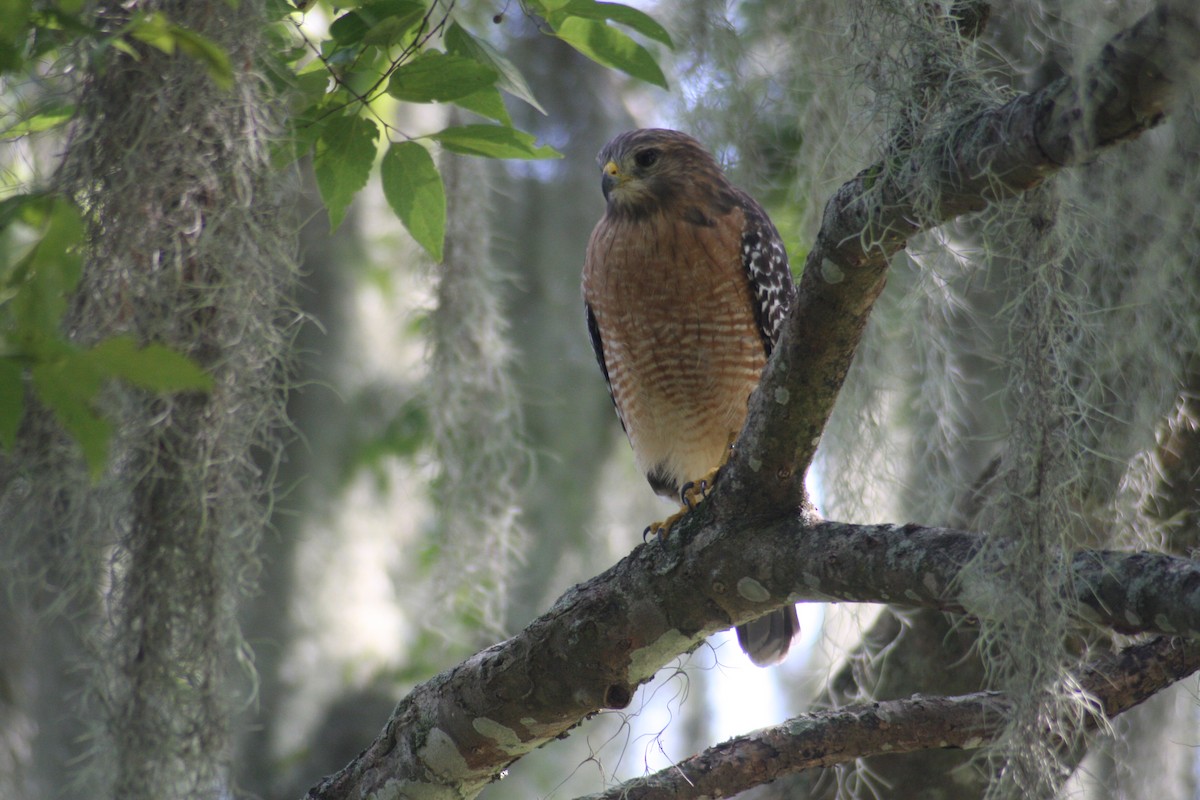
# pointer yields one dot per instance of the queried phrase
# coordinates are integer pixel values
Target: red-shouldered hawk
(686, 284)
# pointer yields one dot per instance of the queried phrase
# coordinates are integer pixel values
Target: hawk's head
(650, 169)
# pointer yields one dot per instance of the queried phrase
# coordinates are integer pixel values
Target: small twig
(420, 39)
(1117, 681)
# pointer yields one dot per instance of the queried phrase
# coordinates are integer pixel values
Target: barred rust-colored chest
(675, 311)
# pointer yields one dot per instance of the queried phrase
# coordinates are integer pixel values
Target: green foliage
(606, 45)
(382, 23)
(35, 284)
(67, 384)
(493, 141)
(434, 76)
(153, 367)
(345, 153)
(583, 24)
(32, 37)
(413, 188)
(338, 85)
(38, 120)
(413, 53)
(16, 15)
(509, 78)
(589, 9)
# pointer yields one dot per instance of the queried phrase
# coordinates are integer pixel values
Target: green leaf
(302, 137)
(65, 19)
(279, 9)
(384, 22)
(44, 120)
(590, 9)
(488, 103)
(345, 155)
(156, 30)
(154, 367)
(310, 85)
(15, 14)
(67, 386)
(13, 32)
(11, 57)
(437, 77)
(18, 207)
(207, 52)
(413, 188)
(396, 28)
(459, 42)
(349, 28)
(67, 381)
(12, 400)
(608, 46)
(125, 47)
(51, 268)
(493, 141)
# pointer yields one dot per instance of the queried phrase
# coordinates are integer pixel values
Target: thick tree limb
(918, 566)
(747, 549)
(1117, 681)
(605, 637)
(995, 154)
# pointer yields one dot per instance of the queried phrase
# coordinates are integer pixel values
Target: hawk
(685, 286)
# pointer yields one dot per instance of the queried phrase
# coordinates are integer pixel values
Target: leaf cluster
(339, 84)
(410, 52)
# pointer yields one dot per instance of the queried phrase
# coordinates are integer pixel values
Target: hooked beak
(610, 178)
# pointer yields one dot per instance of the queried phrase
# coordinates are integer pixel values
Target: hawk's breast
(675, 311)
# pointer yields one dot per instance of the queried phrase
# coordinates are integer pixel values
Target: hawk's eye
(646, 158)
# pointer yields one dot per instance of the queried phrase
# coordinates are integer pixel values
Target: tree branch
(747, 550)
(918, 566)
(606, 636)
(995, 154)
(1117, 681)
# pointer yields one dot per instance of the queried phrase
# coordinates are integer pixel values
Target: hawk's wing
(598, 348)
(766, 262)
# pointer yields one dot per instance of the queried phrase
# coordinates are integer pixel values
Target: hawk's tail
(767, 639)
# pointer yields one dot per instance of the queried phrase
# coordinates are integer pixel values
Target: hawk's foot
(690, 496)
(659, 530)
(693, 492)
